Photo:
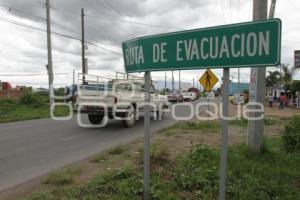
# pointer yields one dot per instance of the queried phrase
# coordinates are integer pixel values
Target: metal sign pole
(224, 145)
(147, 136)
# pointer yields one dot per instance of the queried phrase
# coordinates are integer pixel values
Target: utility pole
(193, 82)
(165, 82)
(179, 84)
(73, 76)
(239, 87)
(173, 82)
(272, 9)
(257, 87)
(83, 46)
(49, 46)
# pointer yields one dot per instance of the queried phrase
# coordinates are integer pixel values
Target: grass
(12, 110)
(99, 158)
(268, 121)
(211, 126)
(118, 150)
(194, 175)
(62, 177)
(159, 155)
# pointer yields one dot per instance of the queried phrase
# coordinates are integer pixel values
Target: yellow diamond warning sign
(208, 80)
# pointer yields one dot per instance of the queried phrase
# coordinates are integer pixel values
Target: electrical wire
(55, 33)
(31, 74)
(136, 23)
(39, 18)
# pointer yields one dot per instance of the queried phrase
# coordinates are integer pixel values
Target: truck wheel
(130, 119)
(95, 118)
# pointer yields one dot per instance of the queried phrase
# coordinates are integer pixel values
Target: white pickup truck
(121, 98)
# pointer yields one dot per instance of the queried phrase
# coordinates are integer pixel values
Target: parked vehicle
(187, 96)
(175, 97)
(122, 97)
(196, 91)
(194, 96)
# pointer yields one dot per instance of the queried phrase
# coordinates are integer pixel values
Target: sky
(23, 51)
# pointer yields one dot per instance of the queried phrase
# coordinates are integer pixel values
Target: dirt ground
(177, 140)
(273, 111)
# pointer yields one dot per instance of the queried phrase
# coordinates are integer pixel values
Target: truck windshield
(99, 87)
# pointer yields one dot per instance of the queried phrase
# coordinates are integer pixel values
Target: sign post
(224, 141)
(237, 45)
(147, 136)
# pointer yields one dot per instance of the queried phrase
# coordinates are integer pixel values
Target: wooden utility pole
(257, 87)
(272, 9)
(173, 87)
(179, 84)
(83, 47)
(165, 82)
(49, 46)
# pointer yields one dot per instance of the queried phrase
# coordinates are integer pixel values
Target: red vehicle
(195, 90)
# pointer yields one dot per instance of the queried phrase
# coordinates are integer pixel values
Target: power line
(98, 11)
(55, 33)
(113, 7)
(39, 18)
(136, 23)
(31, 74)
(93, 44)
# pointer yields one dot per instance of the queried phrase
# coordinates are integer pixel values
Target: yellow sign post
(208, 80)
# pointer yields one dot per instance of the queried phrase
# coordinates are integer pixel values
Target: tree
(295, 86)
(287, 75)
(273, 78)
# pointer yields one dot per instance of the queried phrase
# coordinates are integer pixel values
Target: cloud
(24, 50)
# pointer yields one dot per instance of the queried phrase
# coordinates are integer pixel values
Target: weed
(62, 177)
(239, 122)
(99, 158)
(291, 135)
(159, 155)
(269, 121)
(205, 126)
(118, 150)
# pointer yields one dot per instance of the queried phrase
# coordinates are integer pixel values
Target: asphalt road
(32, 148)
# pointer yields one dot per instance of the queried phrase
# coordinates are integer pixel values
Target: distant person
(287, 100)
(281, 101)
(271, 100)
(298, 99)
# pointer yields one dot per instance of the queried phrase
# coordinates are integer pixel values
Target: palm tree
(287, 75)
(273, 78)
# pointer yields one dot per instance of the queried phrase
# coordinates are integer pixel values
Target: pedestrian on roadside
(271, 99)
(281, 101)
(298, 99)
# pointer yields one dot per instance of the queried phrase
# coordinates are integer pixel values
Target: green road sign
(237, 45)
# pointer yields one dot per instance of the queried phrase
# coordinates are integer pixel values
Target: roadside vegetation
(29, 106)
(187, 173)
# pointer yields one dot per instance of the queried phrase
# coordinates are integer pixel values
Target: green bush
(7, 105)
(291, 135)
(33, 100)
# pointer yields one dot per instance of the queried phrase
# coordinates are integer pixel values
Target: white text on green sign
(239, 45)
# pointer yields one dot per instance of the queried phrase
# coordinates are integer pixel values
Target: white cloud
(25, 51)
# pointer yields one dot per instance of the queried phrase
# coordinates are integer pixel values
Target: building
(235, 88)
(5, 86)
